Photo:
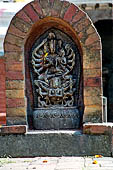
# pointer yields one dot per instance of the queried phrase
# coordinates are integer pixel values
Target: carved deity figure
(53, 62)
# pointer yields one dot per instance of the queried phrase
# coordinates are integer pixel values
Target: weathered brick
(2, 104)
(92, 100)
(91, 109)
(2, 94)
(12, 39)
(97, 128)
(46, 8)
(14, 75)
(2, 82)
(65, 6)
(91, 39)
(11, 47)
(37, 7)
(92, 82)
(92, 72)
(81, 24)
(15, 102)
(78, 16)
(93, 113)
(2, 60)
(2, 67)
(14, 66)
(15, 129)
(3, 107)
(14, 84)
(92, 64)
(15, 31)
(31, 13)
(15, 112)
(21, 25)
(71, 11)
(3, 118)
(12, 94)
(92, 91)
(91, 29)
(95, 46)
(92, 59)
(56, 8)
(21, 14)
(45, 4)
(13, 56)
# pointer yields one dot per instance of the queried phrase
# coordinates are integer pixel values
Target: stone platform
(54, 143)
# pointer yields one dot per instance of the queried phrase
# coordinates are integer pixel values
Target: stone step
(54, 143)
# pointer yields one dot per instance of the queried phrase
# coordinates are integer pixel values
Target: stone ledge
(98, 128)
(15, 129)
(54, 143)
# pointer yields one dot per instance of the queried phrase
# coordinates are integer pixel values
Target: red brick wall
(2, 93)
(24, 26)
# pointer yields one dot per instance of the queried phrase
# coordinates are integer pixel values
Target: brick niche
(25, 27)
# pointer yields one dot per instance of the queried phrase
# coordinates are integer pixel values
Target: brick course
(2, 93)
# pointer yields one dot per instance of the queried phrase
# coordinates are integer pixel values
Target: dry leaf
(44, 161)
(95, 162)
(98, 156)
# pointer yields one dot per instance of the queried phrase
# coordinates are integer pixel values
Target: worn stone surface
(56, 118)
(16, 120)
(57, 143)
(93, 113)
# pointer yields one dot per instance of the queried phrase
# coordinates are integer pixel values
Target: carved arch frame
(27, 24)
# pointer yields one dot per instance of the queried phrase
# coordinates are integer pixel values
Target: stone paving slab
(56, 163)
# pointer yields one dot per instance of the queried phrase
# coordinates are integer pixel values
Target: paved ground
(57, 163)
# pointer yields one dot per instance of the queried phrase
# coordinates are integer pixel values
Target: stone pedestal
(56, 118)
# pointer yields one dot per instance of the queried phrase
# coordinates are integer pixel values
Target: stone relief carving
(55, 81)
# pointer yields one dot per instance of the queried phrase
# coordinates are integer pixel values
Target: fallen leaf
(98, 156)
(45, 161)
(95, 162)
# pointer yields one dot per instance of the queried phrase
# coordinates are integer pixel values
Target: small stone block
(98, 128)
(15, 129)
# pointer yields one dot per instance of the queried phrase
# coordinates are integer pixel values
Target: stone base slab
(56, 118)
(54, 143)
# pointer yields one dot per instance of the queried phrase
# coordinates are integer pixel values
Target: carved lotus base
(56, 118)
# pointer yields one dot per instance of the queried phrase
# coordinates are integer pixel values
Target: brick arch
(19, 31)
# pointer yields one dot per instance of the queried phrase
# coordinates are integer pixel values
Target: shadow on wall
(104, 27)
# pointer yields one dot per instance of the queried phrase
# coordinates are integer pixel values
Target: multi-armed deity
(55, 71)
